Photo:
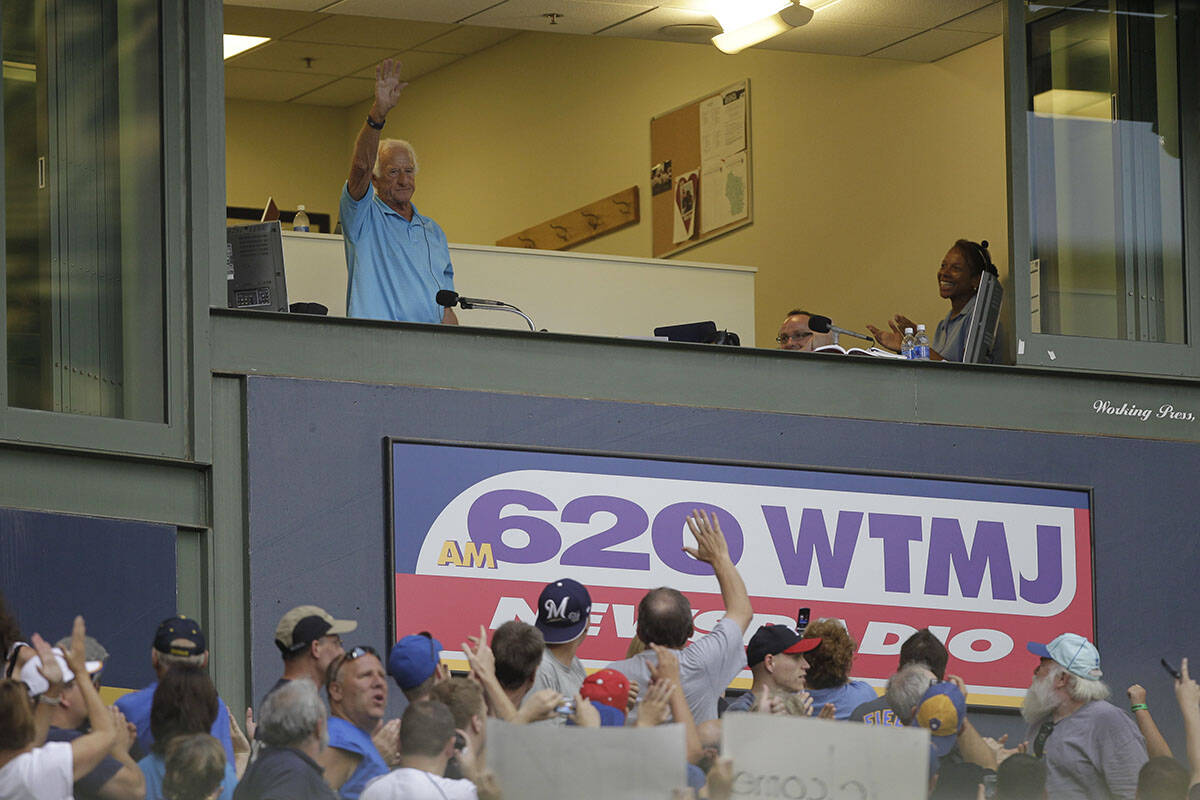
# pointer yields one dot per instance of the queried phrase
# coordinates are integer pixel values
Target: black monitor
(985, 316)
(254, 267)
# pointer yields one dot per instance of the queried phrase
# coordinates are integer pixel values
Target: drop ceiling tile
(837, 39)
(650, 25)
(932, 45)
(466, 39)
(271, 22)
(287, 5)
(268, 85)
(386, 34)
(341, 93)
(327, 59)
(425, 10)
(414, 64)
(577, 16)
(989, 19)
(923, 14)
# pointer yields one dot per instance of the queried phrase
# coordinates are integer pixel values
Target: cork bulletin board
(700, 171)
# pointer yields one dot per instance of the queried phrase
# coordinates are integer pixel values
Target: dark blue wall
(119, 575)
(317, 504)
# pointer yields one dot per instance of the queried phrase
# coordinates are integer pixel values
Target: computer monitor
(985, 316)
(254, 267)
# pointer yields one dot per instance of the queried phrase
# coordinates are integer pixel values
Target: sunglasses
(336, 665)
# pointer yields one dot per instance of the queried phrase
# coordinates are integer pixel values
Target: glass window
(1105, 179)
(83, 255)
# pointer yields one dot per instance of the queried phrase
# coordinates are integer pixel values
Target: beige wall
(297, 154)
(865, 170)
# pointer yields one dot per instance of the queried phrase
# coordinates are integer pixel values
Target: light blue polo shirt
(395, 266)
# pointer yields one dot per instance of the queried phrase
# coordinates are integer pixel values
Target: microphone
(449, 299)
(821, 324)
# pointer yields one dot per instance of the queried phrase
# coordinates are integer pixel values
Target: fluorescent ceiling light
(235, 44)
(820, 5)
(748, 22)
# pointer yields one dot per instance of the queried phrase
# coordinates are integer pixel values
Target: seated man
(178, 640)
(794, 333)
(292, 725)
(665, 618)
(358, 692)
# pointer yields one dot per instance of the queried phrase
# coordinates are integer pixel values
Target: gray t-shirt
(551, 674)
(1093, 754)
(706, 667)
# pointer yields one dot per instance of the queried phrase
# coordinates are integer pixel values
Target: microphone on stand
(821, 324)
(449, 298)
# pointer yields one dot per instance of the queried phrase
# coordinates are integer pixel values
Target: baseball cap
(180, 636)
(37, 684)
(776, 639)
(608, 687)
(303, 625)
(413, 659)
(942, 710)
(1072, 652)
(564, 609)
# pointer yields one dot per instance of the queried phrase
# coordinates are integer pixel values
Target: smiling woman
(958, 279)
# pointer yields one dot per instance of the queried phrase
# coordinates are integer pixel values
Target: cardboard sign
(780, 756)
(545, 761)
(477, 532)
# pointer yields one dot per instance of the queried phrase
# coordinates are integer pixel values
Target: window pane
(83, 207)
(1105, 174)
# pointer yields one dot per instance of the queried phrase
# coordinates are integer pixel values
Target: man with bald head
(397, 260)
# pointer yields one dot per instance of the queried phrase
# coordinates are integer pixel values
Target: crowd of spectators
(321, 732)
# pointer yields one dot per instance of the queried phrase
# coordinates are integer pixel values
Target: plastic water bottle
(921, 347)
(300, 221)
(906, 344)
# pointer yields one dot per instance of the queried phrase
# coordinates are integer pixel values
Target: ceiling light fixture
(747, 22)
(235, 44)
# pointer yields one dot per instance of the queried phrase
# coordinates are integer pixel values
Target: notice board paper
(723, 189)
(723, 124)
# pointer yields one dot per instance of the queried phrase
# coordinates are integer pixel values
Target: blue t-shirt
(347, 736)
(845, 698)
(154, 767)
(395, 266)
(136, 708)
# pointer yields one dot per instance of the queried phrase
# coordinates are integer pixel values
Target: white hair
(906, 688)
(386, 145)
(1082, 689)
(291, 714)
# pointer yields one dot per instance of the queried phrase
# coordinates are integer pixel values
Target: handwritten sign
(477, 533)
(798, 757)
(550, 762)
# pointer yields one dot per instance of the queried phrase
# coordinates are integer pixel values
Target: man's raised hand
(388, 86)
(710, 542)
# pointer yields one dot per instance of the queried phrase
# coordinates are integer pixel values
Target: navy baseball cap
(414, 659)
(776, 639)
(564, 609)
(180, 636)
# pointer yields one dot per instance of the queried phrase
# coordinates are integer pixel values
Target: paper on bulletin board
(686, 198)
(723, 187)
(723, 124)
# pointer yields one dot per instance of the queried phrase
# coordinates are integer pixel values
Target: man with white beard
(1092, 749)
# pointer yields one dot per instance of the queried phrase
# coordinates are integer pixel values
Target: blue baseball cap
(942, 710)
(1072, 652)
(564, 610)
(414, 659)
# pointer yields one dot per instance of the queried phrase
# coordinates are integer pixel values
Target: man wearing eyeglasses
(358, 693)
(794, 333)
(397, 260)
(309, 638)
